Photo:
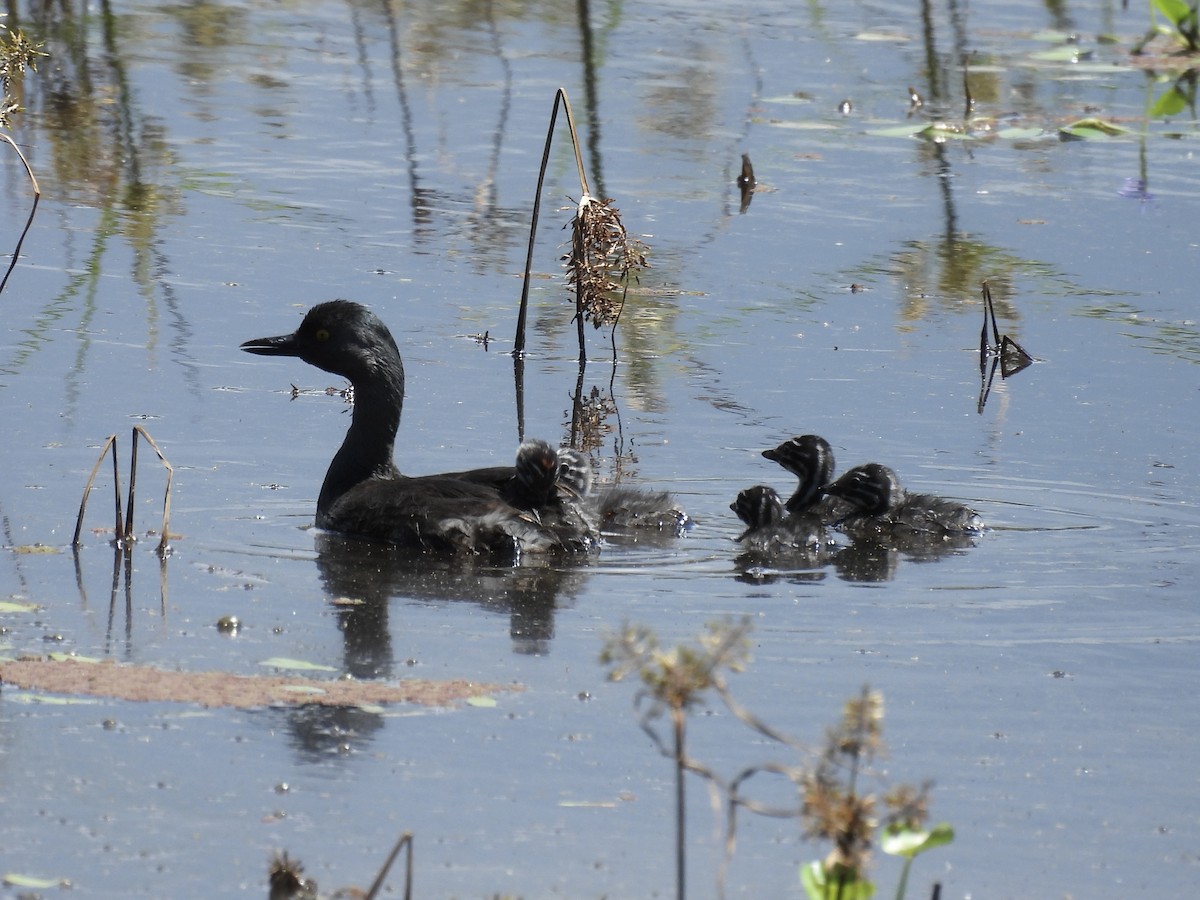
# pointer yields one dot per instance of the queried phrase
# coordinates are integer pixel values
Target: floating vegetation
(1091, 129)
(67, 675)
(1177, 99)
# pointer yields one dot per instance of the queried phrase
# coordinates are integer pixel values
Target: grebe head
(574, 472)
(810, 458)
(342, 337)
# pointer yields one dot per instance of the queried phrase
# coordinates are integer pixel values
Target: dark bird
(618, 508)
(881, 507)
(810, 458)
(506, 509)
(767, 530)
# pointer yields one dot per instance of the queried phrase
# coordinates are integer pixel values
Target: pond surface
(210, 170)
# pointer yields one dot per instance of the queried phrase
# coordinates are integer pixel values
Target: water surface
(211, 171)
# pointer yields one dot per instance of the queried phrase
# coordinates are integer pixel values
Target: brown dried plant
(17, 53)
(833, 808)
(603, 257)
(602, 260)
(826, 795)
(673, 681)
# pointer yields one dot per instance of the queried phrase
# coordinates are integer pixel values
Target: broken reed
(123, 528)
(1005, 353)
(17, 53)
(603, 257)
(287, 881)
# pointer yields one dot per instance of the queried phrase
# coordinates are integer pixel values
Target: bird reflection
(365, 580)
(362, 577)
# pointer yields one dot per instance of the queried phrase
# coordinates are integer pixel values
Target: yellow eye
(322, 335)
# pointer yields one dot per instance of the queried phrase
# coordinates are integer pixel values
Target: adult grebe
(498, 509)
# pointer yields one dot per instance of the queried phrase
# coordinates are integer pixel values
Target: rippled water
(209, 171)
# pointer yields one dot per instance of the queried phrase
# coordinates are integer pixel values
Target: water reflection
(362, 578)
(859, 561)
(320, 733)
(369, 585)
(98, 149)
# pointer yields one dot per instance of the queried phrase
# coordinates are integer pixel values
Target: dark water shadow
(369, 584)
(363, 578)
(860, 562)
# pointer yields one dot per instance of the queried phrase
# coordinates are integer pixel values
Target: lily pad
(12, 606)
(941, 131)
(298, 665)
(14, 879)
(909, 129)
(1092, 129)
(1171, 103)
